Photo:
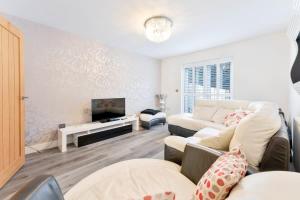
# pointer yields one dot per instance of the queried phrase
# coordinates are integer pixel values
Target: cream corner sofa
(262, 135)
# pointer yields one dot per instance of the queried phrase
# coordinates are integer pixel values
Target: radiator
(296, 144)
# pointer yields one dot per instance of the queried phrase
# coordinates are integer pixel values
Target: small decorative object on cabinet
(162, 101)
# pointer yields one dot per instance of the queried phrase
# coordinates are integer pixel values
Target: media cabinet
(96, 131)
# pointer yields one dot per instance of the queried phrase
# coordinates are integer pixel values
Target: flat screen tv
(105, 110)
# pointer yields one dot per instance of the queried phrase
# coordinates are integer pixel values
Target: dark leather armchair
(43, 187)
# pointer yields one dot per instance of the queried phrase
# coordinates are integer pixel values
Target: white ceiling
(198, 24)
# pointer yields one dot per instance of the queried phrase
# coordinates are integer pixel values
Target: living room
(149, 96)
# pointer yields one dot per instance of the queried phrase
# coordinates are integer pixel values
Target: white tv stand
(93, 127)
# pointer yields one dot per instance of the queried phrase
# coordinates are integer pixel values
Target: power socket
(61, 125)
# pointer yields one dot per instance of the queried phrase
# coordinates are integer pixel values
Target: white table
(89, 128)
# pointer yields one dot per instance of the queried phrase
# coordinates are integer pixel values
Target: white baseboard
(41, 146)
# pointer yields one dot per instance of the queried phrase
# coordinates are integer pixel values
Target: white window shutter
(211, 80)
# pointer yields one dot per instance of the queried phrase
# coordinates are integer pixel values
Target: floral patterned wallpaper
(63, 72)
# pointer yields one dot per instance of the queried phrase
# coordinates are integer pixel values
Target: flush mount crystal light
(158, 28)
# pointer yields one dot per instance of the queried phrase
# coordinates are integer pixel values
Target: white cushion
(220, 115)
(216, 139)
(179, 143)
(267, 186)
(132, 179)
(254, 132)
(148, 117)
(186, 121)
(204, 112)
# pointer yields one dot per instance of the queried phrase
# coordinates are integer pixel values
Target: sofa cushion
(254, 133)
(216, 139)
(224, 173)
(277, 185)
(133, 179)
(204, 112)
(186, 121)
(220, 115)
(234, 118)
(207, 132)
(180, 143)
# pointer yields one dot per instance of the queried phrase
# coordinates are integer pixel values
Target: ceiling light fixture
(158, 28)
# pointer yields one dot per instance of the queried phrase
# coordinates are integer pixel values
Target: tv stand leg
(136, 125)
(62, 142)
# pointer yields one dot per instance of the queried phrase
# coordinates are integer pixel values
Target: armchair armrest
(196, 161)
(42, 187)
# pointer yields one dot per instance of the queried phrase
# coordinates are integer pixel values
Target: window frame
(205, 63)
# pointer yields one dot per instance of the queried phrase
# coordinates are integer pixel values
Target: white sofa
(253, 132)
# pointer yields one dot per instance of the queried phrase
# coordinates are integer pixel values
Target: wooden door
(11, 105)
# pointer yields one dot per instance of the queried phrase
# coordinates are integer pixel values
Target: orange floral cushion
(226, 172)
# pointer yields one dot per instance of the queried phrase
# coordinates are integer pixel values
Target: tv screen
(105, 110)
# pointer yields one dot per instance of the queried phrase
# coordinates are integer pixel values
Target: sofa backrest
(229, 104)
(212, 110)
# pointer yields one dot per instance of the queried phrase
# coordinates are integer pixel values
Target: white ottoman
(148, 120)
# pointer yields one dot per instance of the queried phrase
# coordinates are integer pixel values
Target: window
(209, 80)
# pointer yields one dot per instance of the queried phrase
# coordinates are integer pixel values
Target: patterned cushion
(235, 117)
(160, 196)
(217, 182)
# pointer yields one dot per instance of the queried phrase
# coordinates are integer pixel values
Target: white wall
(292, 32)
(64, 72)
(294, 97)
(259, 70)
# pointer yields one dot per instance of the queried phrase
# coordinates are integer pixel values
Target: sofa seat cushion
(276, 185)
(188, 122)
(179, 143)
(133, 179)
(148, 117)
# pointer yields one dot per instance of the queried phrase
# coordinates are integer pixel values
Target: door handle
(24, 98)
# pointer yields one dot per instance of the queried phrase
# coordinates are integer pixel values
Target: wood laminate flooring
(71, 167)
